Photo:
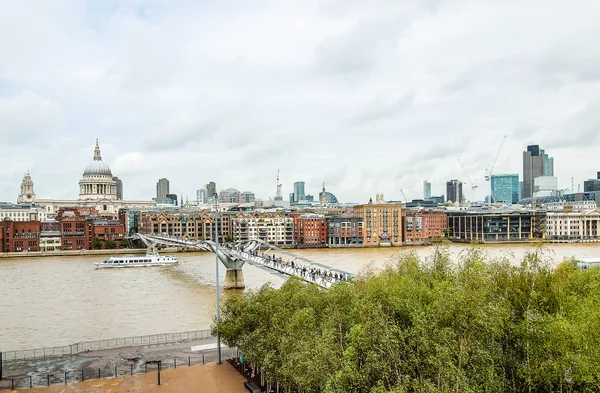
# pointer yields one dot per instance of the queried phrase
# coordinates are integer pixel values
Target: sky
(368, 97)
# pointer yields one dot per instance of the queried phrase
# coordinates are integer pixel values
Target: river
(52, 301)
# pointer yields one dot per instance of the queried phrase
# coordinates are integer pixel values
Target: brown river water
(52, 301)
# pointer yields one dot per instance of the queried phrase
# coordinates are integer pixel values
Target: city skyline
(332, 89)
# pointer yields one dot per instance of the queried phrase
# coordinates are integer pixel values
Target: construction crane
(490, 170)
(404, 196)
(473, 186)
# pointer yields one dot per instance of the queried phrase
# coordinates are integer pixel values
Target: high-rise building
(545, 186)
(505, 188)
(172, 197)
(426, 189)
(211, 190)
(162, 188)
(598, 175)
(201, 195)
(536, 163)
(292, 200)
(454, 191)
(119, 188)
(299, 191)
(247, 197)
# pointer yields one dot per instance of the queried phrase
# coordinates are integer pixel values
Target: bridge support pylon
(234, 279)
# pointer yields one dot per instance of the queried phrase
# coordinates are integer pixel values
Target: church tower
(323, 197)
(27, 195)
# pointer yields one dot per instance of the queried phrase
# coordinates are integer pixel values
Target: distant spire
(97, 154)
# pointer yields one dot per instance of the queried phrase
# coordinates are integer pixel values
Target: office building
(299, 191)
(545, 186)
(247, 197)
(201, 195)
(426, 189)
(536, 163)
(454, 191)
(483, 226)
(162, 188)
(505, 188)
(119, 188)
(211, 190)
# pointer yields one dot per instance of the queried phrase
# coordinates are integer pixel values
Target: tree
(228, 239)
(97, 244)
(110, 244)
(124, 243)
(432, 325)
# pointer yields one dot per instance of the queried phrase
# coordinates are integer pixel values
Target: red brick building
(423, 226)
(310, 230)
(19, 236)
(79, 229)
(107, 230)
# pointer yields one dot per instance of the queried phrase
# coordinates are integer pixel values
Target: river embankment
(75, 253)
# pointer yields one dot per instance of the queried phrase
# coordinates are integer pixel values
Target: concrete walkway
(126, 360)
(208, 378)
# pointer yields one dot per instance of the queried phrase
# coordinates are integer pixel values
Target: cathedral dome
(97, 168)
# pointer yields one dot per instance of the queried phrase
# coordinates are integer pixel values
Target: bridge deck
(305, 269)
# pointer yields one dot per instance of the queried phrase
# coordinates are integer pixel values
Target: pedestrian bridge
(256, 253)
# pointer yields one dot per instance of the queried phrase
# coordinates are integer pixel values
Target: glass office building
(505, 188)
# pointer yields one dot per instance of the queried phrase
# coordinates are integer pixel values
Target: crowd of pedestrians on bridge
(307, 272)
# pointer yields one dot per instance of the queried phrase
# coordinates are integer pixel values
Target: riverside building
(382, 223)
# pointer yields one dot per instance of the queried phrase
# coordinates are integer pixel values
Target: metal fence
(137, 367)
(164, 338)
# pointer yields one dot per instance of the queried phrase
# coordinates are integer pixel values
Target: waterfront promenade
(207, 378)
(110, 362)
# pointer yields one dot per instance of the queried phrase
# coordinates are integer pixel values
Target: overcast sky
(367, 96)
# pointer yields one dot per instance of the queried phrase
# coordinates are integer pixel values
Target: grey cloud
(379, 109)
(172, 136)
(489, 71)
(355, 52)
(561, 65)
(580, 130)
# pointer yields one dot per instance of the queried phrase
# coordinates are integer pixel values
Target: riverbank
(71, 253)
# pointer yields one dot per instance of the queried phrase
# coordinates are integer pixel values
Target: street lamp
(217, 268)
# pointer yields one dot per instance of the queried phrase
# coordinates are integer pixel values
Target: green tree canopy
(478, 325)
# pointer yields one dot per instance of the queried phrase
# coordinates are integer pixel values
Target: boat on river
(151, 259)
(586, 263)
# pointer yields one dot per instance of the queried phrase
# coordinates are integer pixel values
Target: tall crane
(404, 196)
(473, 186)
(490, 170)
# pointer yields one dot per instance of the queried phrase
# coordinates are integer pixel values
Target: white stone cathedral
(97, 190)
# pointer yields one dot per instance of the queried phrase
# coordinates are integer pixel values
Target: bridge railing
(163, 338)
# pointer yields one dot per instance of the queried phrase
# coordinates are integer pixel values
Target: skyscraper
(201, 195)
(454, 192)
(536, 163)
(426, 189)
(299, 191)
(505, 188)
(162, 188)
(211, 190)
(119, 188)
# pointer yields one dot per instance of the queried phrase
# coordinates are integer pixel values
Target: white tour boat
(151, 259)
